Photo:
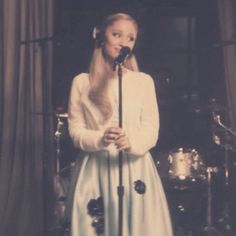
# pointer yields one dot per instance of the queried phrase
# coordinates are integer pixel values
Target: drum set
(188, 174)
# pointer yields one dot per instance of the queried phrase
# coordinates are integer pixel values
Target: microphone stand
(120, 188)
(118, 62)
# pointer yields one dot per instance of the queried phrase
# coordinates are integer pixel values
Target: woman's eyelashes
(131, 39)
(116, 35)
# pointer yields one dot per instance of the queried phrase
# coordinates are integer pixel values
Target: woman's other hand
(117, 136)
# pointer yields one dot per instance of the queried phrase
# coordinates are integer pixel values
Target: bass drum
(186, 168)
(180, 168)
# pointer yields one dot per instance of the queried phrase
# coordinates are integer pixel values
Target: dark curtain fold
(227, 17)
(26, 141)
(1, 72)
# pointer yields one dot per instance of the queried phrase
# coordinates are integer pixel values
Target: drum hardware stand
(227, 147)
(57, 135)
(225, 219)
(209, 229)
(59, 191)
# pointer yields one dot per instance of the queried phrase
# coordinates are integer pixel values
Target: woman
(93, 126)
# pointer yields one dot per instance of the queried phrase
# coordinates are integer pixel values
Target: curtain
(227, 17)
(26, 135)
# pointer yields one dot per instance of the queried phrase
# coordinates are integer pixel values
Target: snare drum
(186, 165)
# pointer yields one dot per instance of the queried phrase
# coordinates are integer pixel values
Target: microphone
(124, 53)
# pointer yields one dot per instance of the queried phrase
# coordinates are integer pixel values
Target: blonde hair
(100, 70)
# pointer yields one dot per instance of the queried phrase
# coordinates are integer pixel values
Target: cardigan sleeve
(145, 137)
(82, 137)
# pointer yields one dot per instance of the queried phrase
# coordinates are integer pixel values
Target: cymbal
(59, 115)
(62, 115)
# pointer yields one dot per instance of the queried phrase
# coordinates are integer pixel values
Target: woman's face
(122, 33)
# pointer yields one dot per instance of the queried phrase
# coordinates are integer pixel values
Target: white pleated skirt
(144, 213)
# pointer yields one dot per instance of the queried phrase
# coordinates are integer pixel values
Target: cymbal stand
(225, 219)
(209, 229)
(57, 135)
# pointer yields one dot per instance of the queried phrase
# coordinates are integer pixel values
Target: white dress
(145, 210)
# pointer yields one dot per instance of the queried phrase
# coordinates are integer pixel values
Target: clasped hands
(117, 136)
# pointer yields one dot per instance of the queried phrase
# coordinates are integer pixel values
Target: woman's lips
(117, 51)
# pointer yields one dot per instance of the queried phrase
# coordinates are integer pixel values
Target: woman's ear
(97, 36)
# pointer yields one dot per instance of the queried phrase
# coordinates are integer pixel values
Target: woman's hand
(110, 135)
(117, 136)
(122, 142)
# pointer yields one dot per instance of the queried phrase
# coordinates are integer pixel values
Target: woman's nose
(123, 42)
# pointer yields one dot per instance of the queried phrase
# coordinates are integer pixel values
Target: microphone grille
(125, 50)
